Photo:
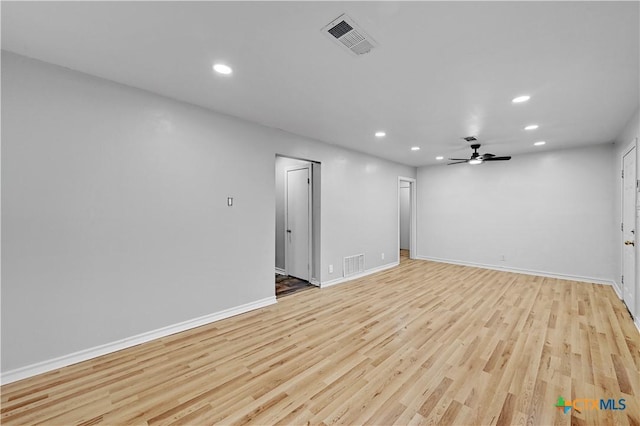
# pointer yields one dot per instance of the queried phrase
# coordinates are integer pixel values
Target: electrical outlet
(331, 269)
(382, 257)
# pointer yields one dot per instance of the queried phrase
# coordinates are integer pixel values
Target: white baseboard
(521, 271)
(636, 321)
(280, 271)
(360, 275)
(617, 290)
(86, 354)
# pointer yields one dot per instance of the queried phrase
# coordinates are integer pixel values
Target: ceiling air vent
(344, 31)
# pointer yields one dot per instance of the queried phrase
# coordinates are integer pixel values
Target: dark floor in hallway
(286, 285)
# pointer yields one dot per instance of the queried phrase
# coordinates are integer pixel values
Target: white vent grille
(353, 265)
(344, 31)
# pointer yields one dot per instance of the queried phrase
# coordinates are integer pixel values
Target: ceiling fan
(476, 158)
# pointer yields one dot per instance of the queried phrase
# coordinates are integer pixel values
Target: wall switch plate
(382, 256)
(229, 201)
(331, 269)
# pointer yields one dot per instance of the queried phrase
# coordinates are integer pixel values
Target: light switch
(229, 201)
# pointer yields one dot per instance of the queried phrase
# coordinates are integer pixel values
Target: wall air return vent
(346, 33)
(353, 265)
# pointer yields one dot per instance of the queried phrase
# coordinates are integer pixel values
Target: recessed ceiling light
(222, 69)
(415, 148)
(523, 98)
(531, 127)
(439, 158)
(540, 143)
(380, 134)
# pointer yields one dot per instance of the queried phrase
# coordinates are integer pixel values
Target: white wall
(114, 210)
(405, 214)
(549, 212)
(622, 142)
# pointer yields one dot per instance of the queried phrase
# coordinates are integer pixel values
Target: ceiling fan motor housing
(475, 154)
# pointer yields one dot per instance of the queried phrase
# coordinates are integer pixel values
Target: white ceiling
(443, 70)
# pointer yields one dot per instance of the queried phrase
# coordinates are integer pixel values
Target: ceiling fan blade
(459, 159)
(487, 155)
(458, 162)
(497, 158)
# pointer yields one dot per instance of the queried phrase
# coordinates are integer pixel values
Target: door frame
(412, 217)
(630, 147)
(309, 211)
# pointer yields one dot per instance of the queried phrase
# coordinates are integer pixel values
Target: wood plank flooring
(422, 343)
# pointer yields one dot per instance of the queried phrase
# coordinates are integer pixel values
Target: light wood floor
(421, 343)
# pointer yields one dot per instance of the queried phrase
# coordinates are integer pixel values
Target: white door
(629, 229)
(297, 226)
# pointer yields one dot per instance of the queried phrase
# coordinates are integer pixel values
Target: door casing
(412, 216)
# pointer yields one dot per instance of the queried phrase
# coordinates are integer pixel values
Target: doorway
(629, 241)
(406, 218)
(297, 225)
